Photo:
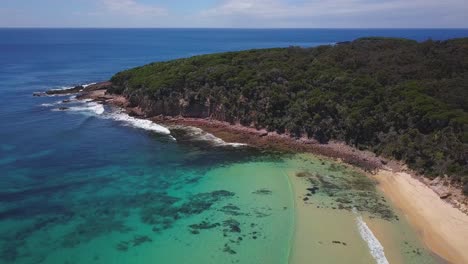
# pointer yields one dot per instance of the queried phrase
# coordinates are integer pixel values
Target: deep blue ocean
(76, 181)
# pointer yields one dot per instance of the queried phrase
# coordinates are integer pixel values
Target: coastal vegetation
(396, 97)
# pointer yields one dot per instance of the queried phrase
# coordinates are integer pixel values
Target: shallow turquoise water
(238, 212)
(80, 187)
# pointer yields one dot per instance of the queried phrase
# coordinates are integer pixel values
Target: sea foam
(201, 135)
(376, 249)
(138, 123)
(89, 108)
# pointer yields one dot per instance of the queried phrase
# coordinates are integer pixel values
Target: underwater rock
(203, 201)
(135, 242)
(204, 225)
(313, 190)
(228, 249)
(93, 228)
(349, 189)
(232, 225)
(261, 214)
(163, 213)
(138, 240)
(231, 210)
(339, 242)
(304, 174)
(263, 192)
(122, 246)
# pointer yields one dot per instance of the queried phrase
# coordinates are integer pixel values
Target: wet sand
(443, 228)
(316, 228)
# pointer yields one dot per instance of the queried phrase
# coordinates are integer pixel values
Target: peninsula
(387, 105)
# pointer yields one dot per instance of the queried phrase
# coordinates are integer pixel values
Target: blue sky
(235, 13)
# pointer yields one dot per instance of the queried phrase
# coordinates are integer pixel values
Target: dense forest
(396, 97)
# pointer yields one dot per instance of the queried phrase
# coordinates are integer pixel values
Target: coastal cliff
(395, 97)
(378, 104)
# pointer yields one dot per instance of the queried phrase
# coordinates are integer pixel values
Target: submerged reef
(135, 242)
(89, 219)
(345, 189)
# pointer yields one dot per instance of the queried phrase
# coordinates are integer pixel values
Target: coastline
(441, 228)
(432, 226)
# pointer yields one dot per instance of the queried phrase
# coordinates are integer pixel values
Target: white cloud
(340, 13)
(244, 13)
(132, 8)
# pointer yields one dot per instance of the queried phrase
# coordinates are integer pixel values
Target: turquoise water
(91, 185)
(145, 213)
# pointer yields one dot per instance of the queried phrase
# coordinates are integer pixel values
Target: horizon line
(251, 28)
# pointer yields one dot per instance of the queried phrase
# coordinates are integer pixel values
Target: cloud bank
(237, 13)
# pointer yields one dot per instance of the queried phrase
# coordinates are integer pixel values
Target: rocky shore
(261, 138)
(410, 192)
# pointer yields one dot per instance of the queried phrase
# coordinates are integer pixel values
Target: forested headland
(396, 97)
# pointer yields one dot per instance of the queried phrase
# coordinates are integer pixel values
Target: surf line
(376, 249)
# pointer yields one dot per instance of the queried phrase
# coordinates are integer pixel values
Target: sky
(235, 13)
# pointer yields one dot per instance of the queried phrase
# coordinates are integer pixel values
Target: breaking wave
(91, 107)
(376, 249)
(138, 123)
(88, 107)
(201, 135)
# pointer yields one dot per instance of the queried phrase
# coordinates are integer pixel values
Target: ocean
(93, 185)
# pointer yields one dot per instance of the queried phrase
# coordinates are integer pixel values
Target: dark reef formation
(346, 190)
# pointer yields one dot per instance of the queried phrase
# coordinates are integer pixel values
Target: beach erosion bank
(449, 246)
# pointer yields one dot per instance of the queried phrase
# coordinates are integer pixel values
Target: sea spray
(137, 122)
(201, 135)
(376, 249)
(89, 108)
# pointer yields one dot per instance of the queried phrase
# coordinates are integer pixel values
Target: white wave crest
(61, 88)
(48, 105)
(138, 123)
(201, 135)
(88, 84)
(89, 108)
(376, 249)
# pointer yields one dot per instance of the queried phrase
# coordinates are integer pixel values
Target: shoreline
(282, 142)
(435, 225)
(443, 228)
(432, 228)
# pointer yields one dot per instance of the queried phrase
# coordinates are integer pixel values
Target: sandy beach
(443, 228)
